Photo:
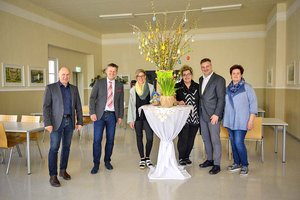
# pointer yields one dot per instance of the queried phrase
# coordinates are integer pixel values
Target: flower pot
(167, 101)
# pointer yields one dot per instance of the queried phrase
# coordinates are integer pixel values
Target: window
(52, 63)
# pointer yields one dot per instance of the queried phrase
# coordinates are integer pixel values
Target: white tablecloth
(167, 123)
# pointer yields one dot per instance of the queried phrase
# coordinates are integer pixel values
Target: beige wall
(292, 96)
(282, 48)
(27, 42)
(226, 46)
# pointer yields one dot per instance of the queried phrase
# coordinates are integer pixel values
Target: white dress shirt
(204, 82)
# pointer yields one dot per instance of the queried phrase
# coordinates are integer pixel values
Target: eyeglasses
(142, 76)
(189, 74)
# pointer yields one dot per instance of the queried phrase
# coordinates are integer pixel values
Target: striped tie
(110, 95)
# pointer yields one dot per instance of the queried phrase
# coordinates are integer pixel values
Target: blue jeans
(64, 133)
(108, 120)
(239, 151)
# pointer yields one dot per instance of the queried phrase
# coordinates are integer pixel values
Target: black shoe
(108, 166)
(215, 169)
(95, 169)
(182, 162)
(207, 163)
(188, 161)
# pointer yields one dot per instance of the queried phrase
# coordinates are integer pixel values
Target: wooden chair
(34, 135)
(6, 143)
(86, 119)
(255, 134)
(12, 136)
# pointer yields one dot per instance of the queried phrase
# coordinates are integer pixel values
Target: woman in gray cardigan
(239, 114)
(140, 95)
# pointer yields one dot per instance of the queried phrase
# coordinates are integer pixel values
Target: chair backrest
(254, 134)
(3, 138)
(223, 132)
(85, 109)
(8, 118)
(29, 118)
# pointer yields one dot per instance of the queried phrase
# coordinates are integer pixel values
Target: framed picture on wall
(125, 79)
(270, 77)
(36, 76)
(291, 73)
(13, 75)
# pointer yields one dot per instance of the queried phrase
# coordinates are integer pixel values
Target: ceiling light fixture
(117, 16)
(203, 9)
(221, 8)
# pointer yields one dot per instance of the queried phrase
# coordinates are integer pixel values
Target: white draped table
(166, 124)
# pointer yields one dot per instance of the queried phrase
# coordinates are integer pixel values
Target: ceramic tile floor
(269, 180)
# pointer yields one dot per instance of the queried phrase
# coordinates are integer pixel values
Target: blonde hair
(139, 71)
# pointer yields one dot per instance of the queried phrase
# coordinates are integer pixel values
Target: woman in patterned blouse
(187, 93)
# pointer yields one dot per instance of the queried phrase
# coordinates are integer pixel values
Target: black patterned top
(191, 97)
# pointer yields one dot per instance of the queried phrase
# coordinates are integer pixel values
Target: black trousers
(186, 139)
(139, 126)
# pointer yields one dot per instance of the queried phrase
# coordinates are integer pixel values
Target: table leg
(283, 143)
(276, 140)
(28, 152)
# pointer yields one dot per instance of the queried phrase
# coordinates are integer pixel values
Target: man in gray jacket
(61, 104)
(106, 109)
(212, 101)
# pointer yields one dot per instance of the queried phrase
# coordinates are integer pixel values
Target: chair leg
(203, 150)
(262, 150)
(39, 149)
(19, 151)
(4, 155)
(8, 164)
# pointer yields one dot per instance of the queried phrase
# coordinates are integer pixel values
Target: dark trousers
(108, 120)
(139, 126)
(186, 139)
(64, 133)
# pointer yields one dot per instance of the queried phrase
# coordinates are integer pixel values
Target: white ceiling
(86, 12)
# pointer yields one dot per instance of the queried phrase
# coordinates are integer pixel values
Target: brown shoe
(64, 175)
(54, 181)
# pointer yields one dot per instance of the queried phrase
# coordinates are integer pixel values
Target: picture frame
(36, 76)
(270, 77)
(125, 79)
(13, 75)
(291, 73)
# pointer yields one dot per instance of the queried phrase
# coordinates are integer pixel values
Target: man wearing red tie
(106, 109)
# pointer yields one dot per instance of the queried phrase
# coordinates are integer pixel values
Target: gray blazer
(98, 98)
(212, 101)
(53, 106)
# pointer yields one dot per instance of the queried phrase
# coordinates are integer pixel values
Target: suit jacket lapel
(72, 95)
(59, 93)
(200, 85)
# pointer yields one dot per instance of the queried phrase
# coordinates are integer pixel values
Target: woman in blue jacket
(239, 114)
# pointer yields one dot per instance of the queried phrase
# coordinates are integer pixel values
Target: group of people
(235, 106)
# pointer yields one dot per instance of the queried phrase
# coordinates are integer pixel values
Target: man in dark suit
(61, 104)
(212, 101)
(106, 109)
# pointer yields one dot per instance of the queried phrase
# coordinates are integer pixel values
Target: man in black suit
(212, 101)
(106, 109)
(61, 104)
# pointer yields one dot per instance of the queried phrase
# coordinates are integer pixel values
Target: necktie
(110, 95)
